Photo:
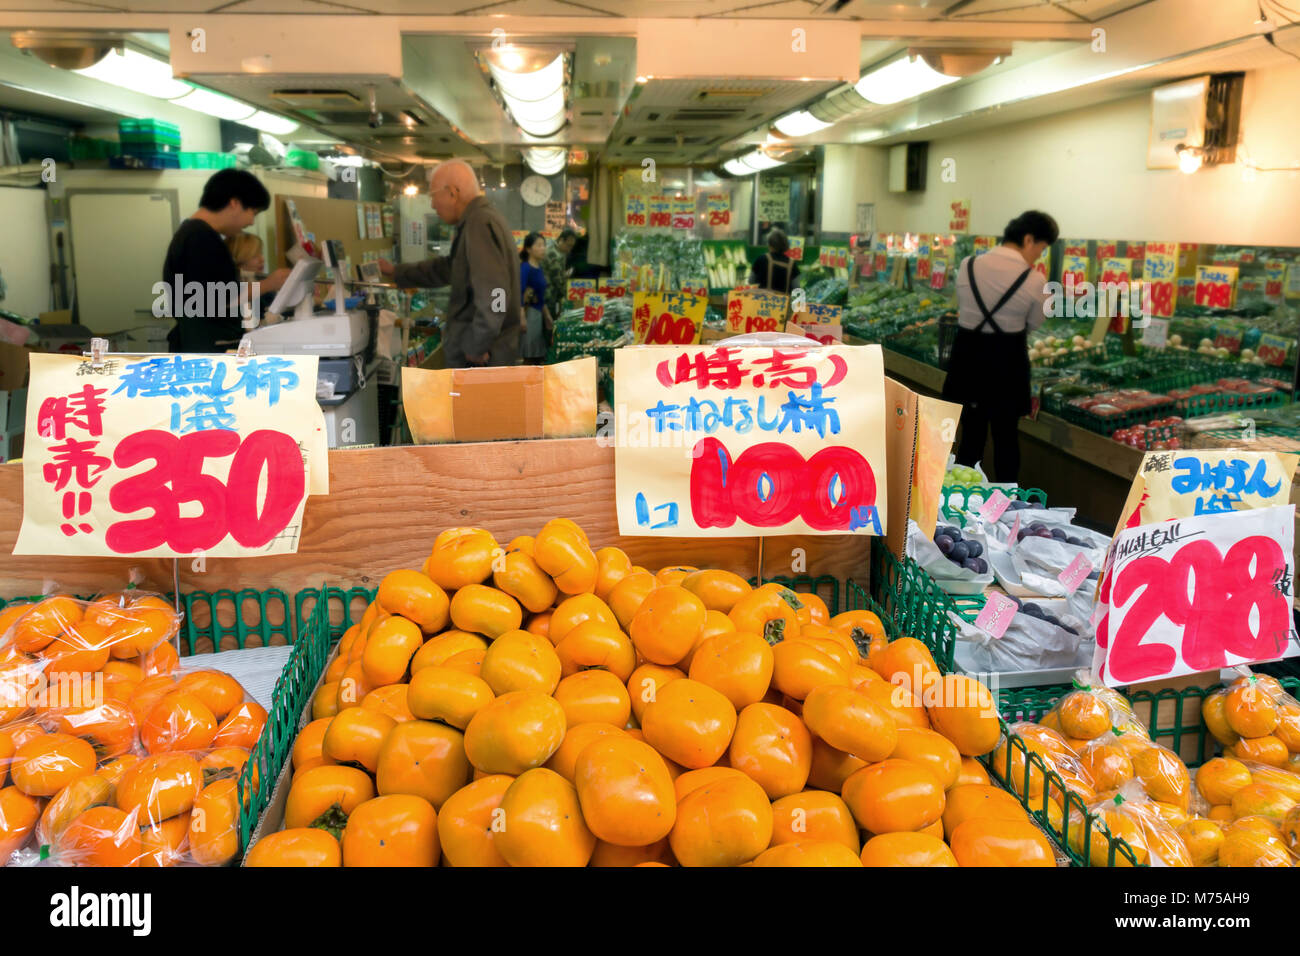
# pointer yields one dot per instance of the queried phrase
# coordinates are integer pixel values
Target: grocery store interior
(1039, 258)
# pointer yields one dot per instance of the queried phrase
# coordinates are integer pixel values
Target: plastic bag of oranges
(1090, 711)
(1128, 815)
(1026, 777)
(179, 808)
(1255, 720)
(1118, 760)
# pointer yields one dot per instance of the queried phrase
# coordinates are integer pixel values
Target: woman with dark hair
(999, 299)
(532, 286)
(774, 270)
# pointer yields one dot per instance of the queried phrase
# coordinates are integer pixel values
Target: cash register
(347, 386)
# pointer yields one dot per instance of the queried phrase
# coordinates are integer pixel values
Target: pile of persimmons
(547, 704)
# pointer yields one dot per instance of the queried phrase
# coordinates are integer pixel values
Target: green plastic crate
(949, 494)
(918, 606)
(303, 159)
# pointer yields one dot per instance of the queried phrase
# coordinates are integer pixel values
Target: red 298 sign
(226, 508)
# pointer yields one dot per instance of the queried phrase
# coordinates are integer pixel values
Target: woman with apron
(998, 301)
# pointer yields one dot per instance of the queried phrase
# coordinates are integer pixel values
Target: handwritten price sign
(593, 307)
(667, 318)
(938, 273)
(959, 215)
(795, 252)
(819, 313)
(1107, 249)
(684, 213)
(764, 440)
(168, 455)
(635, 212)
(1160, 273)
(577, 289)
(1216, 286)
(717, 209)
(1274, 279)
(1199, 594)
(756, 310)
(1076, 247)
(1272, 350)
(1074, 271)
(613, 288)
(661, 212)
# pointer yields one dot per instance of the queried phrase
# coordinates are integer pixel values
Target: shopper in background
(774, 270)
(231, 199)
(537, 316)
(246, 250)
(556, 267)
(999, 299)
(482, 326)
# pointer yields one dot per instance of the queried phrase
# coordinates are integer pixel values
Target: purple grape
(974, 548)
(945, 543)
(1022, 534)
(1058, 534)
(960, 552)
(972, 564)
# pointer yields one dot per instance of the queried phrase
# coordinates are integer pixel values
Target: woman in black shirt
(774, 270)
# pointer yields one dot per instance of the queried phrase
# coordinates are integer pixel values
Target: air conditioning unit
(1203, 112)
(907, 167)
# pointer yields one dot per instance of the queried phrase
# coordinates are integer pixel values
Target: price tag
(613, 288)
(1015, 529)
(578, 288)
(996, 504)
(1159, 275)
(981, 245)
(1199, 594)
(1076, 247)
(938, 273)
(795, 252)
(757, 310)
(667, 318)
(717, 208)
(697, 286)
(635, 212)
(684, 213)
(996, 615)
(660, 212)
(923, 269)
(818, 313)
(1076, 573)
(1074, 272)
(593, 307)
(1216, 286)
(1272, 350)
(959, 215)
(1107, 249)
(168, 456)
(1274, 279)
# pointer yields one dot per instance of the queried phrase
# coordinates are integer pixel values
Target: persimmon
(520, 661)
(436, 651)
(1214, 715)
(461, 557)
(972, 771)
(298, 846)
(773, 748)
(1267, 749)
(964, 711)
(416, 597)
(165, 843)
(1203, 839)
(576, 739)
(480, 609)
(110, 727)
(423, 759)
(927, 748)
(70, 802)
(356, 735)
(597, 644)
(391, 644)
(629, 594)
(768, 611)
(908, 662)
(218, 691)
(724, 822)
(625, 791)
(674, 574)
(1250, 709)
(612, 566)
(906, 849)
(544, 825)
(44, 621)
(447, 694)
(799, 667)
(44, 765)
(101, 836)
(644, 683)
(737, 664)
(808, 853)
(579, 609)
(390, 700)
(666, 626)
(160, 787)
(658, 853)
(19, 814)
(986, 841)
(1162, 774)
(594, 695)
(242, 726)
(393, 830)
(562, 551)
(690, 723)
(324, 796)
(831, 767)
(851, 722)
(470, 819)
(718, 590)
(894, 795)
(214, 824)
(814, 815)
(970, 801)
(1083, 715)
(515, 732)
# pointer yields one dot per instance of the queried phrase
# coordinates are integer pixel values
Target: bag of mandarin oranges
(108, 755)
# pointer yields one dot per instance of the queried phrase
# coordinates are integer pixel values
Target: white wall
(1088, 169)
(24, 254)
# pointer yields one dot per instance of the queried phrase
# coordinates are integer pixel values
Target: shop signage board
(773, 198)
(819, 313)
(1159, 275)
(169, 455)
(555, 220)
(577, 288)
(667, 318)
(659, 212)
(726, 441)
(959, 215)
(684, 213)
(756, 310)
(717, 209)
(1216, 286)
(635, 212)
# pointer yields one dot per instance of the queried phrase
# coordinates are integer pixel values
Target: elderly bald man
(482, 326)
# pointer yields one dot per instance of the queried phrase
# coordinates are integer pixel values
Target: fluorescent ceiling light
(801, 123)
(271, 123)
(758, 161)
(544, 161)
(536, 99)
(737, 168)
(901, 80)
(138, 73)
(214, 104)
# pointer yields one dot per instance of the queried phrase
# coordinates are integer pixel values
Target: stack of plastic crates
(148, 144)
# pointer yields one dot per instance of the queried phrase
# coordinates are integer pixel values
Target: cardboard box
(500, 404)
(62, 317)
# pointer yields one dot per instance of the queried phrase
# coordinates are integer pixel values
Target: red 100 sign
(1210, 596)
(671, 330)
(227, 508)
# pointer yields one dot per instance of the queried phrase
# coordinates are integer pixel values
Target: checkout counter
(347, 383)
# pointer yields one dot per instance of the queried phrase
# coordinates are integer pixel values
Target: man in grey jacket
(482, 325)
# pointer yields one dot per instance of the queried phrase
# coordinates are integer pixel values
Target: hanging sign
(660, 212)
(555, 214)
(756, 310)
(1216, 286)
(667, 318)
(635, 212)
(769, 440)
(1199, 594)
(959, 215)
(684, 213)
(773, 198)
(717, 209)
(168, 456)
(1159, 276)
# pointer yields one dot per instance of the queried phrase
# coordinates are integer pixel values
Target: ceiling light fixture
(271, 123)
(410, 190)
(752, 162)
(138, 73)
(1190, 158)
(546, 161)
(215, 104)
(535, 98)
(801, 123)
(903, 79)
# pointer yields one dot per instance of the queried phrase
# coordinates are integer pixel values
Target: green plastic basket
(955, 512)
(918, 606)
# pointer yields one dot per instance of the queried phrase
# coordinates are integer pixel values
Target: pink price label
(996, 616)
(1076, 573)
(994, 506)
(1015, 530)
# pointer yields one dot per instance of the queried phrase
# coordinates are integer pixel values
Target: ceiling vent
(317, 99)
